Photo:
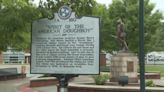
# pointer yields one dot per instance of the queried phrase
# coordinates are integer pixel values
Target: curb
(25, 88)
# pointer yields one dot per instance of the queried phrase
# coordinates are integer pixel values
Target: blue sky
(159, 3)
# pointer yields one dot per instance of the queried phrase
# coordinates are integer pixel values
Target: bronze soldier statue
(120, 35)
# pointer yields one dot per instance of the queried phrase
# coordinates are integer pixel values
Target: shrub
(101, 79)
(105, 68)
(150, 83)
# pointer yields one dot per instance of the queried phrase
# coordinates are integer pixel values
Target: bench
(10, 73)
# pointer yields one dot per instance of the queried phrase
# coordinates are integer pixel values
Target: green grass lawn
(155, 68)
(148, 68)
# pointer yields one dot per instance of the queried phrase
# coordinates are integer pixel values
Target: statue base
(124, 64)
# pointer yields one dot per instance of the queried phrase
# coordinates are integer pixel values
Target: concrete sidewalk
(12, 85)
(22, 85)
(159, 82)
(53, 88)
(88, 79)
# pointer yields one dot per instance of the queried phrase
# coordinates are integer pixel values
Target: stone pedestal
(124, 64)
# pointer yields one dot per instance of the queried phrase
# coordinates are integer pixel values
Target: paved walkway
(22, 85)
(12, 85)
(25, 87)
(159, 82)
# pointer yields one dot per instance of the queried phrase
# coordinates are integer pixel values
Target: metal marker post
(63, 81)
(141, 46)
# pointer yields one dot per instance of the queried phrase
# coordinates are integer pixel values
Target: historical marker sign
(65, 44)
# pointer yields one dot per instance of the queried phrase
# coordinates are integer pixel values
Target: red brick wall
(102, 59)
(1, 58)
(39, 83)
(79, 89)
(105, 89)
(155, 75)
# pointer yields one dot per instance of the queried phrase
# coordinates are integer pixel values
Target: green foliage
(106, 24)
(81, 7)
(101, 79)
(105, 68)
(15, 23)
(128, 10)
(16, 17)
(150, 83)
(157, 41)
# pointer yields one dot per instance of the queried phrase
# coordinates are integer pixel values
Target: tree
(16, 17)
(157, 41)
(105, 24)
(81, 7)
(128, 11)
(15, 22)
